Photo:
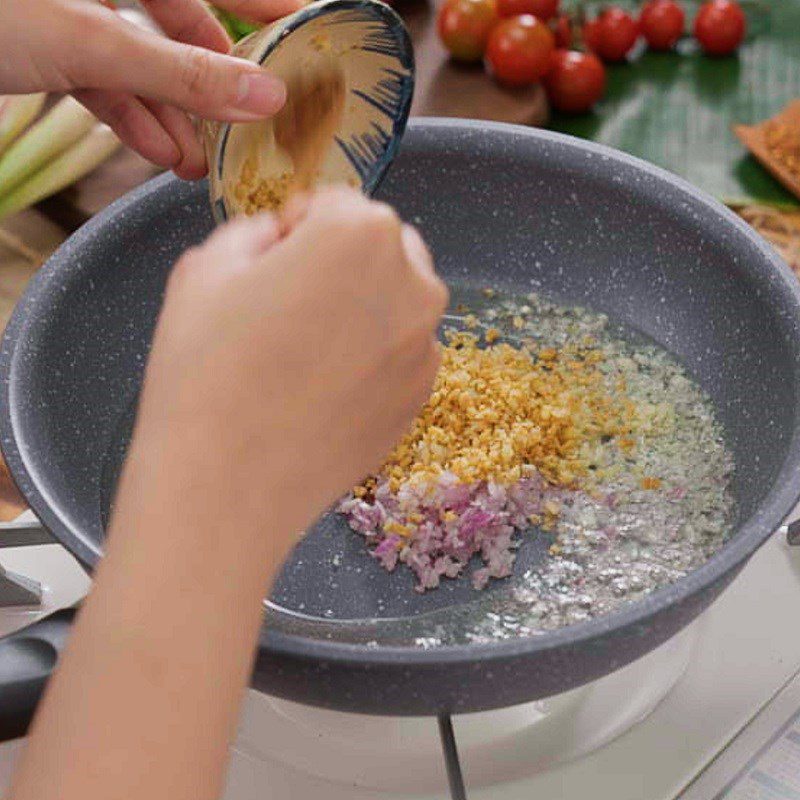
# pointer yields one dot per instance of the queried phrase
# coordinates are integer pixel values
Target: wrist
(205, 501)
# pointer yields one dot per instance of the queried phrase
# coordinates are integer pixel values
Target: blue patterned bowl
(374, 51)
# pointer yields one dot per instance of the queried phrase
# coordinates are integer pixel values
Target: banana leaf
(676, 109)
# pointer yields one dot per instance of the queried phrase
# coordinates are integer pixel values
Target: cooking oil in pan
(615, 544)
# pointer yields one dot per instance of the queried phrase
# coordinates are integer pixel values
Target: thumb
(119, 56)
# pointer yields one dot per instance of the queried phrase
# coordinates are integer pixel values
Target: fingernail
(260, 93)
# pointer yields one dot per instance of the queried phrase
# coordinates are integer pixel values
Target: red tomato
(590, 34)
(661, 23)
(519, 50)
(543, 9)
(563, 31)
(720, 26)
(464, 27)
(612, 35)
(576, 81)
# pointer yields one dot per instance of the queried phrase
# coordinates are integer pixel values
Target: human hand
(138, 82)
(290, 356)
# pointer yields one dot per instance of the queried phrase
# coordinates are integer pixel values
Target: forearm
(145, 701)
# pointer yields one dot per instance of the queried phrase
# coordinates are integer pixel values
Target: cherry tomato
(576, 81)
(661, 23)
(612, 35)
(519, 50)
(543, 9)
(720, 26)
(563, 31)
(464, 27)
(591, 34)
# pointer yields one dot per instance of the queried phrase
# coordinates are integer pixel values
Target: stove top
(737, 662)
(710, 715)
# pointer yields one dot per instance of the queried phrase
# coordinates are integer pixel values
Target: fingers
(230, 252)
(346, 208)
(189, 21)
(121, 57)
(429, 366)
(416, 250)
(161, 134)
(391, 257)
(135, 125)
(192, 165)
(242, 240)
(294, 212)
(421, 261)
(261, 10)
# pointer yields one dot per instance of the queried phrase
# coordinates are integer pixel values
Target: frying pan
(515, 208)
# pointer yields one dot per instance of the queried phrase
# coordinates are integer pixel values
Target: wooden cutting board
(445, 89)
(756, 139)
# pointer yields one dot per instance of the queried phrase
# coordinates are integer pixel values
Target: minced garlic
(254, 193)
(497, 412)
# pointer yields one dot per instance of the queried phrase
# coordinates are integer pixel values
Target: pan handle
(27, 659)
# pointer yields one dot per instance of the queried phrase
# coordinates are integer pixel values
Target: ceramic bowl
(373, 49)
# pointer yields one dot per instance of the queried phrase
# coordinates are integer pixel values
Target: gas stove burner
(404, 754)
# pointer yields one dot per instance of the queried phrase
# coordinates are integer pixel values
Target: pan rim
(767, 519)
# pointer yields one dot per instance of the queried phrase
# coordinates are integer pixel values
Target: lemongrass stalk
(66, 123)
(17, 111)
(71, 165)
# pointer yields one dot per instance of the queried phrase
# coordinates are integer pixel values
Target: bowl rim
(769, 516)
(282, 29)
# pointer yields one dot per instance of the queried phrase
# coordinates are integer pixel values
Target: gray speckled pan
(513, 207)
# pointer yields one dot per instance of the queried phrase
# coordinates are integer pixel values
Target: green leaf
(676, 109)
(237, 28)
